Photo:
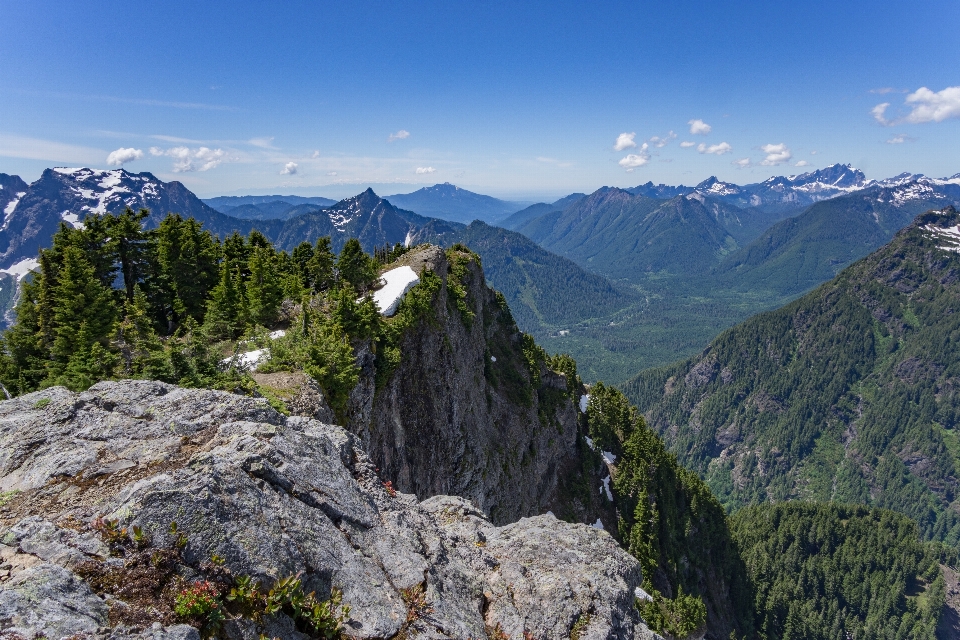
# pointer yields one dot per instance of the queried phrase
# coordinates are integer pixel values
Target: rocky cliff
(93, 482)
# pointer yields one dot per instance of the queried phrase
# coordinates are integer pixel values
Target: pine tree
(141, 352)
(23, 365)
(130, 241)
(80, 300)
(302, 254)
(264, 288)
(320, 265)
(226, 310)
(186, 269)
(356, 267)
(89, 363)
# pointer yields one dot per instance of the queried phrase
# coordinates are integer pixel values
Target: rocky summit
(114, 496)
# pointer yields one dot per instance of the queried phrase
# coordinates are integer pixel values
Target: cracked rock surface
(274, 496)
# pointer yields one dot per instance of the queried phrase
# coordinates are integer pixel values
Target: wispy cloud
(263, 143)
(122, 156)
(659, 142)
(13, 146)
(554, 161)
(802, 163)
(699, 127)
(186, 159)
(716, 149)
(289, 169)
(625, 141)
(900, 138)
(147, 102)
(776, 154)
(885, 90)
(421, 170)
(634, 160)
(742, 163)
(686, 144)
(403, 134)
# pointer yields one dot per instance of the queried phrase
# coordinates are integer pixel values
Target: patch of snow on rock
(22, 268)
(605, 488)
(589, 441)
(640, 594)
(72, 219)
(10, 208)
(493, 358)
(279, 333)
(949, 237)
(397, 282)
(608, 457)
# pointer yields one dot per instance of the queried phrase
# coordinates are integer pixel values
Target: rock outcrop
(270, 496)
(463, 414)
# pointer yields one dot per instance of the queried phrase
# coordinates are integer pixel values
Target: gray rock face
(461, 415)
(275, 496)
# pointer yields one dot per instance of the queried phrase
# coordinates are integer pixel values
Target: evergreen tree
(130, 240)
(302, 254)
(264, 288)
(320, 265)
(80, 301)
(89, 362)
(141, 352)
(356, 267)
(23, 365)
(186, 268)
(226, 311)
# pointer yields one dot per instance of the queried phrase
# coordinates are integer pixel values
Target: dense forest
(826, 571)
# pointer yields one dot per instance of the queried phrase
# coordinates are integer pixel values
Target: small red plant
(388, 485)
(197, 599)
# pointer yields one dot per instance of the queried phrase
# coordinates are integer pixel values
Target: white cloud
(634, 160)
(331, 173)
(289, 169)
(716, 149)
(742, 163)
(813, 153)
(776, 154)
(659, 142)
(316, 154)
(929, 106)
(426, 170)
(686, 144)
(121, 156)
(802, 163)
(187, 159)
(900, 138)
(625, 141)
(399, 135)
(699, 127)
(879, 111)
(34, 149)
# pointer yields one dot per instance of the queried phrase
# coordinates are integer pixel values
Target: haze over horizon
(516, 101)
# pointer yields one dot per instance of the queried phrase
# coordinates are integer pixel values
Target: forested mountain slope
(848, 393)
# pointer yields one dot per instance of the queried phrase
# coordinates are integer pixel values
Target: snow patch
(608, 457)
(248, 361)
(72, 219)
(408, 239)
(396, 284)
(605, 488)
(949, 235)
(9, 209)
(279, 333)
(597, 525)
(640, 594)
(584, 401)
(67, 171)
(22, 268)
(589, 441)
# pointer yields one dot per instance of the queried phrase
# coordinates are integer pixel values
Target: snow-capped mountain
(33, 213)
(784, 194)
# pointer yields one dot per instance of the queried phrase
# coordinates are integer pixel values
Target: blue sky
(524, 100)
